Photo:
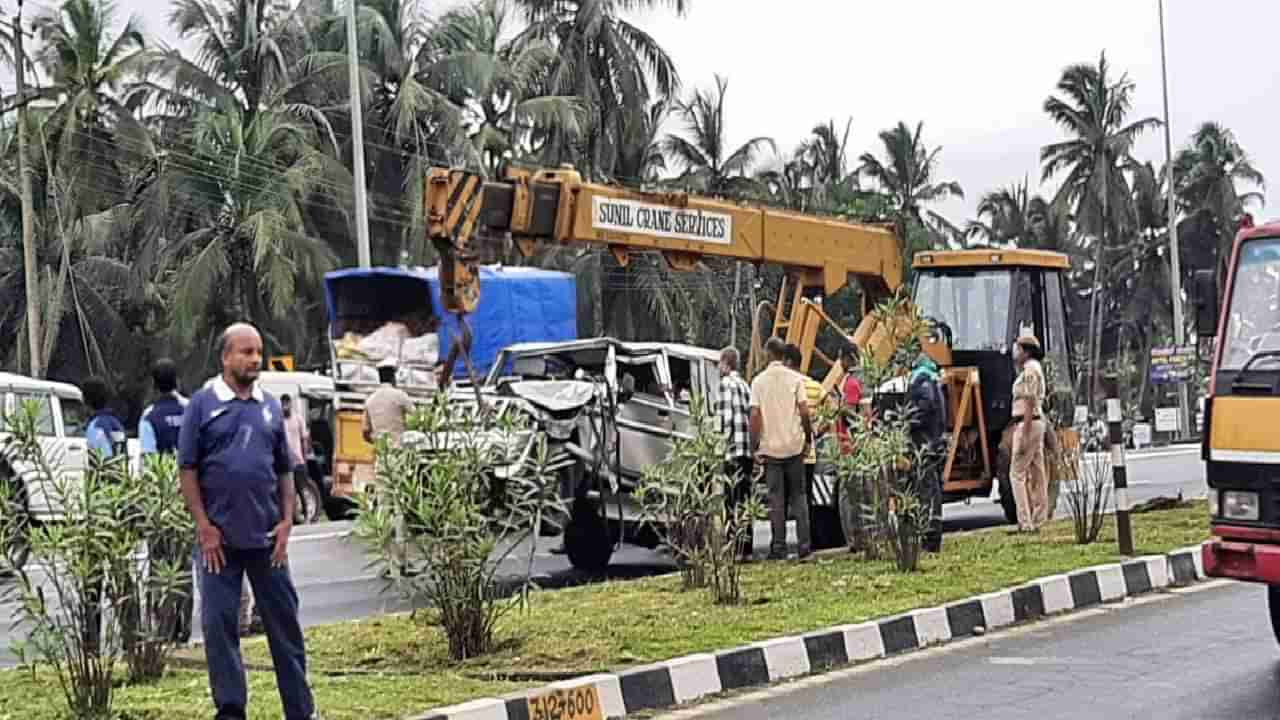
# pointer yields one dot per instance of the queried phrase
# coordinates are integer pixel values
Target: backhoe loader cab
(981, 301)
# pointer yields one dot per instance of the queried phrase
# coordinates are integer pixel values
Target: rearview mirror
(1204, 294)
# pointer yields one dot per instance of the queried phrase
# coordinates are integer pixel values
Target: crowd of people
(771, 426)
(240, 453)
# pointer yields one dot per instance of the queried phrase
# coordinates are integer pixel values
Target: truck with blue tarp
(393, 316)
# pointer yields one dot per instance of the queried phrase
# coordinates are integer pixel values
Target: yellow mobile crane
(982, 299)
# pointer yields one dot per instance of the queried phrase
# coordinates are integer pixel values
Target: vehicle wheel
(1273, 604)
(586, 539)
(18, 548)
(309, 505)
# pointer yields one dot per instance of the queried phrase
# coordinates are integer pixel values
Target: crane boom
(556, 206)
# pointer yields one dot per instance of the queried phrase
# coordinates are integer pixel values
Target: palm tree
(1005, 217)
(95, 286)
(907, 175)
(825, 156)
(627, 309)
(246, 254)
(1093, 108)
(251, 175)
(787, 181)
(639, 155)
(89, 76)
(407, 124)
(499, 86)
(1013, 216)
(1208, 174)
(1142, 307)
(612, 66)
(86, 148)
(707, 165)
(1150, 208)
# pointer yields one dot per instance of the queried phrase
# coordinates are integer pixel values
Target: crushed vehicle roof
(626, 348)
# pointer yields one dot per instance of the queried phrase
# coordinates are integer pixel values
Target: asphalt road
(1206, 652)
(335, 582)
(1161, 472)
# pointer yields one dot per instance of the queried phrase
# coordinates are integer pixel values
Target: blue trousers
(277, 600)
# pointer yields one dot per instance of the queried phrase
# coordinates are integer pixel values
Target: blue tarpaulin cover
(517, 304)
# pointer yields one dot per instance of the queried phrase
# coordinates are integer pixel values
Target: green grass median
(393, 666)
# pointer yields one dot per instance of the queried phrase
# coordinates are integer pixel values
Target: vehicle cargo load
(382, 313)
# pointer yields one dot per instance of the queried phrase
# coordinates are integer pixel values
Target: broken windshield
(975, 305)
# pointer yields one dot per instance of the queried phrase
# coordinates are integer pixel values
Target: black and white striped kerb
(683, 680)
(1124, 530)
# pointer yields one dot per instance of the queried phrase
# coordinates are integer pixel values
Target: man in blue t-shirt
(238, 483)
(104, 431)
(158, 433)
(161, 421)
(104, 434)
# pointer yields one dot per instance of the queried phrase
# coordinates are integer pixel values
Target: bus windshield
(1253, 320)
(975, 305)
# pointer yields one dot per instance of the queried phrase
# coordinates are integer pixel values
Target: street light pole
(1175, 259)
(31, 273)
(357, 139)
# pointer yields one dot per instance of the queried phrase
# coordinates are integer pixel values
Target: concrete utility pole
(357, 139)
(30, 271)
(1175, 259)
(1120, 476)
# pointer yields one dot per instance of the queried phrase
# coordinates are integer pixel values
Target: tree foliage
(179, 190)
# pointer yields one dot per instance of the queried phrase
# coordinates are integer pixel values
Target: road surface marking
(322, 536)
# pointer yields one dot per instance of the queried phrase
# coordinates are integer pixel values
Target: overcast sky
(975, 72)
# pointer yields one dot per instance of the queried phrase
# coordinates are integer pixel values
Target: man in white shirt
(386, 409)
(385, 412)
(781, 431)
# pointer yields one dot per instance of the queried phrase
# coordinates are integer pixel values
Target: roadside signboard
(1172, 365)
(1167, 419)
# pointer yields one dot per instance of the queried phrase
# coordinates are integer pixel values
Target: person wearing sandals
(1027, 471)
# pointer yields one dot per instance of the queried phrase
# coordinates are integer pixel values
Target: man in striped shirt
(734, 410)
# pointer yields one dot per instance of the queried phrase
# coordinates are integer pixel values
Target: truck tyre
(1273, 605)
(17, 548)
(308, 504)
(586, 539)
